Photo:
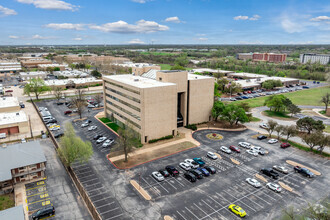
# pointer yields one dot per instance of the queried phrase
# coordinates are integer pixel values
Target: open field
(302, 97)
(159, 53)
(7, 201)
(165, 66)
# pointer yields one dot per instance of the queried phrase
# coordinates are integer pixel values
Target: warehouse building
(9, 104)
(158, 102)
(25, 76)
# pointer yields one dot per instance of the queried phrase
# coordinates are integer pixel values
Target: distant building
(208, 70)
(25, 76)
(244, 56)
(74, 82)
(139, 68)
(315, 58)
(158, 102)
(269, 57)
(43, 67)
(33, 63)
(19, 163)
(71, 74)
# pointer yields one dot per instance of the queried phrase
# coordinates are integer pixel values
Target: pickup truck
(303, 171)
(269, 172)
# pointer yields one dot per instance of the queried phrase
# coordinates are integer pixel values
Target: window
(122, 94)
(124, 110)
(146, 139)
(123, 87)
(21, 168)
(160, 78)
(123, 102)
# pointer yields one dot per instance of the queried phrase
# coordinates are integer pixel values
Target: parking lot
(37, 195)
(209, 198)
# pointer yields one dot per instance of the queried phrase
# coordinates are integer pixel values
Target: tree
(79, 102)
(279, 129)
(275, 102)
(234, 114)
(177, 67)
(270, 84)
(72, 148)
(232, 87)
(326, 100)
(245, 106)
(293, 109)
(217, 109)
(324, 141)
(216, 90)
(128, 138)
(96, 74)
(181, 61)
(309, 124)
(36, 86)
(289, 131)
(271, 127)
(241, 115)
(57, 91)
(98, 98)
(311, 140)
(222, 82)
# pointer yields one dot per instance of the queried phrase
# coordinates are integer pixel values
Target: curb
(106, 126)
(222, 129)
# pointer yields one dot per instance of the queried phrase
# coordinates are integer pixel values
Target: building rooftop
(202, 70)
(197, 77)
(6, 102)
(131, 64)
(12, 117)
(51, 65)
(19, 155)
(10, 64)
(32, 73)
(71, 73)
(137, 81)
(247, 75)
(16, 213)
(59, 82)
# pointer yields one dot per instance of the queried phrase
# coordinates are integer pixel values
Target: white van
(3, 135)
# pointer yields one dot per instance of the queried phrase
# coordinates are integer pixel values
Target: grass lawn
(7, 201)
(276, 114)
(327, 128)
(105, 120)
(302, 97)
(165, 66)
(113, 126)
(255, 119)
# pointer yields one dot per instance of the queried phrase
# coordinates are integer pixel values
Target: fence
(73, 176)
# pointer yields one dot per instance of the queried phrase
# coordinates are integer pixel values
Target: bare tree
(326, 100)
(289, 131)
(279, 130)
(57, 92)
(324, 140)
(78, 102)
(80, 93)
(271, 126)
(98, 98)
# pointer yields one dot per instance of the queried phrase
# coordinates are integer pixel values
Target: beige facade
(34, 63)
(139, 70)
(9, 104)
(13, 123)
(156, 107)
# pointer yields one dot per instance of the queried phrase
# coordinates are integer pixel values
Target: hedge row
(159, 139)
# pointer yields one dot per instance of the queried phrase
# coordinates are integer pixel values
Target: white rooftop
(52, 65)
(71, 73)
(247, 75)
(12, 117)
(10, 64)
(131, 64)
(200, 70)
(32, 73)
(7, 102)
(59, 82)
(138, 81)
(197, 77)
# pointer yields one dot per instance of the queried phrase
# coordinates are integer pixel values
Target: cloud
(240, 17)
(321, 18)
(14, 37)
(123, 27)
(50, 4)
(202, 39)
(65, 26)
(78, 39)
(173, 20)
(254, 18)
(141, 1)
(291, 26)
(6, 11)
(38, 37)
(136, 41)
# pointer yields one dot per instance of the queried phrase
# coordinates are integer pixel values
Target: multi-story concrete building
(314, 58)
(158, 102)
(19, 163)
(244, 56)
(33, 63)
(269, 57)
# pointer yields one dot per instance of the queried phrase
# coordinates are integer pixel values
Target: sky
(65, 22)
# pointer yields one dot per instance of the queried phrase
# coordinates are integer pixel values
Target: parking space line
(44, 192)
(171, 183)
(98, 207)
(88, 180)
(181, 215)
(102, 199)
(254, 202)
(160, 184)
(268, 196)
(109, 210)
(157, 191)
(96, 195)
(95, 189)
(201, 209)
(212, 208)
(261, 199)
(191, 213)
(115, 216)
(178, 182)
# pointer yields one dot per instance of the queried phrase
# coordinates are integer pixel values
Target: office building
(269, 57)
(158, 102)
(14, 123)
(315, 58)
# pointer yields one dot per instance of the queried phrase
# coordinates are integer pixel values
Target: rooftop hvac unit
(136, 80)
(17, 113)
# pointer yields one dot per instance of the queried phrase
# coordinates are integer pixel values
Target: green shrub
(113, 126)
(105, 120)
(192, 127)
(159, 139)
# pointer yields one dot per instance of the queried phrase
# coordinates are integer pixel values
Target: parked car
(281, 169)
(252, 152)
(212, 155)
(269, 172)
(23, 140)
(258, 149)
(272, 141)
(238, 98)
(21, 104)
(274, 187)
(232, 99)
(184, 166)
(189, 176)
(67, 112)
(197, 173)
(191, 163)
(237, 210)
(225, 149)
(96, 137)
(199, 161)
(204, 171)
(303, 171)
(58, 134)
(91, 128)
(87, 121)
(264, 126)
(285, 145)
(159, 177)
(164, 173)
(100, 140)
(90, 106)
(84, 125)
(261, 137)
(51, 121)
(107, 143)
(172, 170)
(3, 135)
(211, 169)
(253, 182)
(60, 103)
(43, 213)
(305, 87)
(234, 148)
(55, 128)
(244, 97)
(244, 144)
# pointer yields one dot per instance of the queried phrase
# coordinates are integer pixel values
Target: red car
(67, 112)
(249, 92)
(9, 91)
(285, 145)
(234, 148)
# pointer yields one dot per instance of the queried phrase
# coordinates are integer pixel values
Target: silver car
(91, 128)
(159, 177)
(100, 140)
(225, 149)
(185, 166)
(281, 169)
(191, 163)
(253, 182)
(212, 155)
(274, 187)
(244, 144)
(84, 125)
(252, 152)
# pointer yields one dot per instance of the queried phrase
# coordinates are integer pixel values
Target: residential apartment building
(314, 58)
(269, 57)
(158, 102)
(19, 163)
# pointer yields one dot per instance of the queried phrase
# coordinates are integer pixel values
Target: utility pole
(30, 127)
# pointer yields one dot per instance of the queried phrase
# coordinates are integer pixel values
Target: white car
(259, 150)
(159, 177)
(23, 140)
(252, 152)
(184, 166)
(55, 128)
(91, 128)
(253, 182)
(212, 155)
(225, 149)
(263, 125)
(281, 169)
(107, 143)
(274, 187)
(191, 163)
(84, 125)
(100, 140)
(90, 106)
(272, 141)
(244, 144)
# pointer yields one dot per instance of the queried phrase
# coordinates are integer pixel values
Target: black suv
(58, 134)
(190, 177)
(211, 170)
(42, 213)
(96, 137)
(172, 170)
(303, 171)
(261, 137)
(269, 172)
(197, 173)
